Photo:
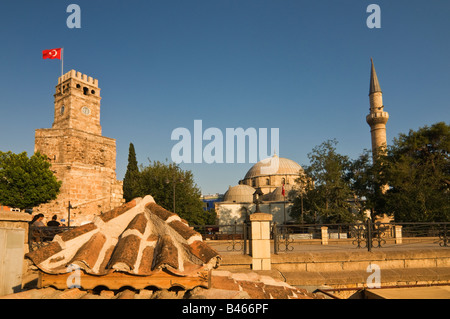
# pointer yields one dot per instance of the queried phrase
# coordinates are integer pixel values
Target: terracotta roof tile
(76, 232)
(118, 211)
(45, 252)
(167, 254)
(159, 211)
(89, 252)
(125, 255)
(185, 231)
(139, 223)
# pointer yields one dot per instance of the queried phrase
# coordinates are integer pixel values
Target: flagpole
(62, 69)
(62, 61)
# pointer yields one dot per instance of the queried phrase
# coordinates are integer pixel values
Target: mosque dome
(262, 168)
(239, 194)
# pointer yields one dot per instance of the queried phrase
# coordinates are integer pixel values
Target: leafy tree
(365, 180)
(417, 170)
(164, 181)
(131, 179)
(26, 182)
(327, 196)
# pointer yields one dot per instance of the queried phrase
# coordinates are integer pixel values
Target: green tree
(131, 179)
(168, 184)
(327, 196)
(26, 182)
(365, 180)
(417, 170)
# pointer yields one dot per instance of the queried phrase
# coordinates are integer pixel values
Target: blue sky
(300, 66)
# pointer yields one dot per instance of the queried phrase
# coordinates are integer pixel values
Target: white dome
(239, 194)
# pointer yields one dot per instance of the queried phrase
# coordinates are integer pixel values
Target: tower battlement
(79, 76)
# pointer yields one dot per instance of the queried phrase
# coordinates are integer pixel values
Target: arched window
(283, 181)
(267, 181)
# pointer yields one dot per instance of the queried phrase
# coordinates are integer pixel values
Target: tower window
(92, 92)
(267, 181)
(85, 91)
(78, 86)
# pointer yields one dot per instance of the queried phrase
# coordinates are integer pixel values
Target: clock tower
(77, 103)
(83, 159)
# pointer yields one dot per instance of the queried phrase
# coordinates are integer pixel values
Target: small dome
(277, 194)
(239, 194)
(285, 167)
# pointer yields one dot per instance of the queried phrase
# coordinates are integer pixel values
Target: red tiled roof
(138, 238)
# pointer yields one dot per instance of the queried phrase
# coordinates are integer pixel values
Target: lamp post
(257, 199)
(174, 182)
(68, 210)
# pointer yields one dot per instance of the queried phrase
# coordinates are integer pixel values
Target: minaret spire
(374, 84)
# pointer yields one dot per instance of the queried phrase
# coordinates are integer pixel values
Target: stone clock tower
(83, 159)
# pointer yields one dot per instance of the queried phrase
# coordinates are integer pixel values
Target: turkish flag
(52, 54)
(282, 191)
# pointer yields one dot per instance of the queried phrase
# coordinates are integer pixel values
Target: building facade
(83, 159)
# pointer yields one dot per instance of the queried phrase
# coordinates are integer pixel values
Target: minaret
(377, 118)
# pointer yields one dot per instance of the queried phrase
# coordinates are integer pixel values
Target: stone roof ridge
(137, 238)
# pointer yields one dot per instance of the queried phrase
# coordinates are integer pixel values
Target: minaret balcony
(377, 118)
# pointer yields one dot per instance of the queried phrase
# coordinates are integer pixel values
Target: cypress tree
(131, 179)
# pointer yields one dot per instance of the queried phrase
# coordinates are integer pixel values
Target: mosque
(238, 201)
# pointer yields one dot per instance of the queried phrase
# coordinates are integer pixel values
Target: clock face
(85, 110)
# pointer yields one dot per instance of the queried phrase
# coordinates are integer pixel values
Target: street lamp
(174, 182)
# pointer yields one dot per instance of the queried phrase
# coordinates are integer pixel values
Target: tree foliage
(327, 196)
(131, 179)
(164, 181)
(417, 170)
(26, 182)
(365, 181)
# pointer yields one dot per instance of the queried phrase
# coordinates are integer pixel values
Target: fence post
(369, 234)
(260, 241)
(275, 238)
(245, 237)
(398, 234)
(324, 230)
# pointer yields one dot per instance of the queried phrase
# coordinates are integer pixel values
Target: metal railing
(39, 236)
(367, 235)
(236, 235)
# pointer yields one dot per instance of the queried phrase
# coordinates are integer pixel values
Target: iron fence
(236, 235)
(367, 235)
(39, 236)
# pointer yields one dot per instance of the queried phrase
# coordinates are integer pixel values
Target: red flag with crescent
(52, 54)
(283, 191)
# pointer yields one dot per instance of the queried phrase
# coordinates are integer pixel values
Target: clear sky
(300, 66)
